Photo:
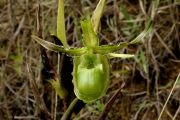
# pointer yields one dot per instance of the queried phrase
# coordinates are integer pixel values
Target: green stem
(70, 108)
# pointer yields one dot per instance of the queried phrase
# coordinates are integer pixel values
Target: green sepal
(97, 15)
(57, 48)
(61, 32)
(89, 36)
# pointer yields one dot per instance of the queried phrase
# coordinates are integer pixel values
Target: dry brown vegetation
(149, 77)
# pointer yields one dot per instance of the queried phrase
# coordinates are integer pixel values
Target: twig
(169, 97)
(70, 108)
(164, 45)
(40, 101)
(13, 23)
(12, 15)
(16, 33)
(109, 103)
(37, 96)
(39, 25)
(174, 118)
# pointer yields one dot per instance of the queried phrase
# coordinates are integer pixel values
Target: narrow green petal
(105, 49)
(124, 56)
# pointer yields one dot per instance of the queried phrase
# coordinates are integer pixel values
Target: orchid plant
(91, 62)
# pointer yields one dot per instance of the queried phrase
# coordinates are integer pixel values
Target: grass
(149, 79)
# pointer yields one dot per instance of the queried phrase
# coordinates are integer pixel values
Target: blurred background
(149, 77)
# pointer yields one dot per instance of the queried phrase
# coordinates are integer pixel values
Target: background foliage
(149, 77)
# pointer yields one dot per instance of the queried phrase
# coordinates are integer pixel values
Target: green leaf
(125, 14)
(61, 33)
(124, 56)
(97, 15)
(57, 48)
(61, 91)
(17, 62)
(142, 34)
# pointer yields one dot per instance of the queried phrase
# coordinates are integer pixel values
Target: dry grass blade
(12, 15)
(174, 117)
(15, 34)
(164, 44)
(143, 33)
(150, 79)
(110, 103)
(177, 80)
(37, 95)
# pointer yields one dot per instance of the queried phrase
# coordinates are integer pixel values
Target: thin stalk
(39, 101)
(70, 108)
(56, 95)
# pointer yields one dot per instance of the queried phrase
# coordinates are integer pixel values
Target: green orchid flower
(91, 62)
